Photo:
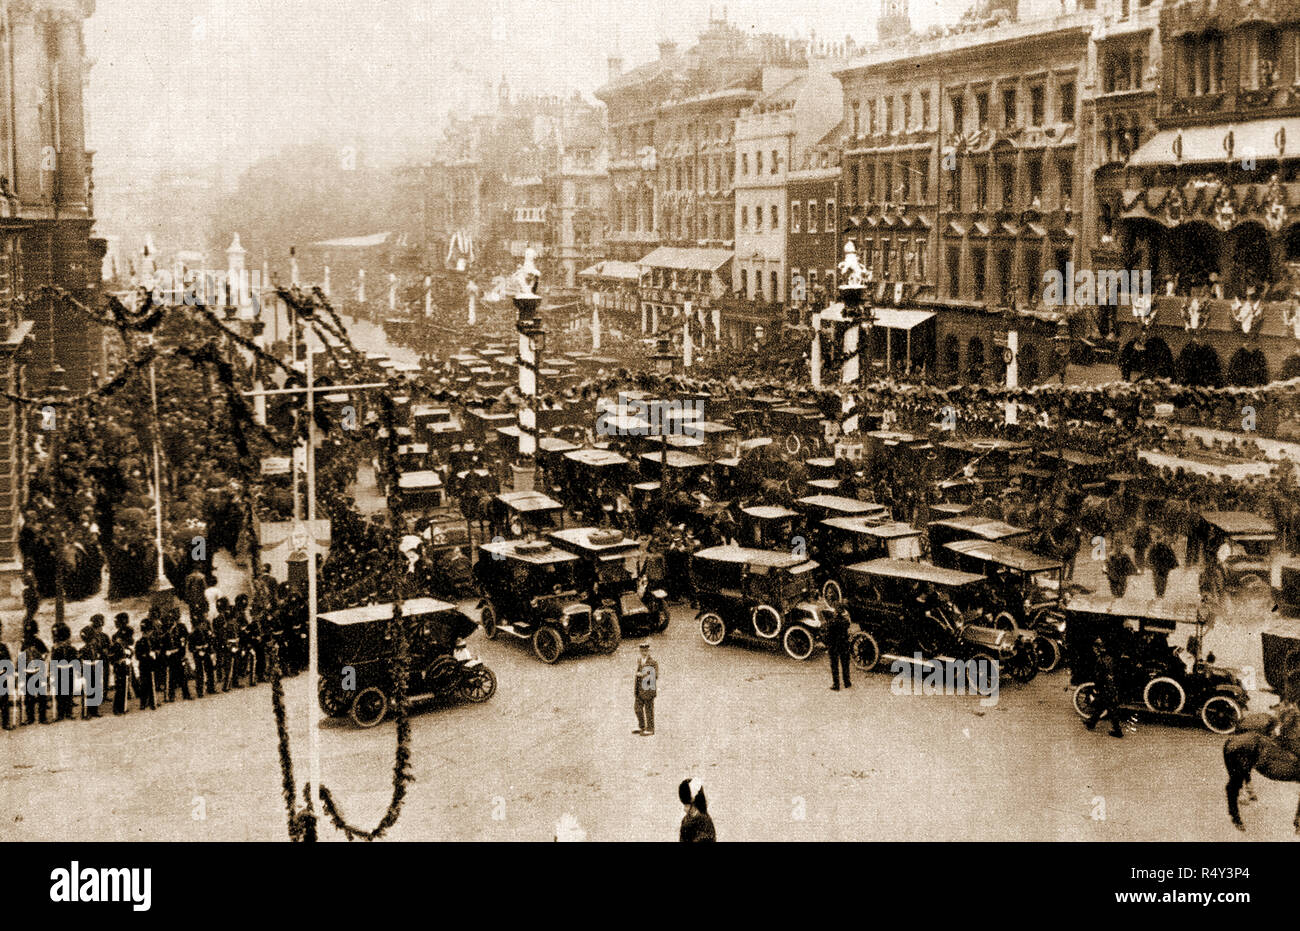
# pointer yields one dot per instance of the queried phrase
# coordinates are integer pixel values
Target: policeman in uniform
(201, 647)
(121, 653)
(177, 640)
(646, 689)
(36, 652)
(91, 656)
(63, 655)
(837, 646)
(1107, 701)
(147, 652)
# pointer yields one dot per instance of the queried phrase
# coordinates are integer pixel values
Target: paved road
(781, 757)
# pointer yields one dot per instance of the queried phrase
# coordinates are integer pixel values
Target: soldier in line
(218, 636)
(201, 645)
(176, 643)
(91, 656)
(63, 656)
(147, 655)
(9, 687)
(195, 584)
(121, 653)
(36, 652)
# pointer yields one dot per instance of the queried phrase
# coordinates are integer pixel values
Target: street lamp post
(529, 326)
(160, 584)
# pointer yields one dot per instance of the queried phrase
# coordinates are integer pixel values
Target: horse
(1276, 758)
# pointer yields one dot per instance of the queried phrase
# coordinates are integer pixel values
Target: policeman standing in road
(121, 653)
(201, 645)
(178, 639)
(646, 690)
(837, 646)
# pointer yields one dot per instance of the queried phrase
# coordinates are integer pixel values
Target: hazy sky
(194, 81)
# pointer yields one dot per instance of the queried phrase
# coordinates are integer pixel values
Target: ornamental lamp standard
(58, 389)
(528, 302)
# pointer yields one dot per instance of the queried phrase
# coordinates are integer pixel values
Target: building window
(1067, 100)
(744, 163)
(1003, 283)
(853, 183)
(857, 125)
(776, 217)
(981, 187)
(888, 197)
(978, 259)
(744, 217)
(886, 257)
(982, 109)
(1260, 58)
(958, 113)
(1202, 64)
(889, 115)
(905, 183)
(1033, 277)
(1034, 181)
(1037, 105)
(1007, 183)
(922, 259)
(1008, 107)
(870, 186)
(954, 271)
(794, 286)
(925, 109)
(776, 162)
(871, 116)
(907, 112)
(774, 284)
(812, 216)
(923, 181)
(1065, 180)
(758, 162)
(795, 210)
(758, 218)
(830, 216)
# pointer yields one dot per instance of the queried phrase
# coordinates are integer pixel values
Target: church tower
(894, 21)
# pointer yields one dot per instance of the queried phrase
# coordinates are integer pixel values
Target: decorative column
(361, 286)
(237, 274)
(30, 83)
(527, 301)
(325, 287)
(71, 132)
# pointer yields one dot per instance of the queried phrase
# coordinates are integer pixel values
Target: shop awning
(1262, 139)
(699, 260)
(901, 319)
(612, 269)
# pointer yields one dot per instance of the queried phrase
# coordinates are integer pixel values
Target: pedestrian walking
(1141, 544)
(1163, 562)
(1106, 703)
(645, 690)
(697, 825)
(837, 647)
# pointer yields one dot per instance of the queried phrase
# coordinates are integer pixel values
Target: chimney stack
(615, 65)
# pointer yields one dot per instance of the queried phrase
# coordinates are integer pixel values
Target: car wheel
(793, 443)
(1049, 653)
(605, 633)
(990, 662)
(799, 642)
(1022, 664)
(479, 685)
(661, 619)
(332, 700)
(767, 622)
(369, 707)
(1221, 714)
(548, 645)
(1085, 699)
(488, 618)
(1004, 620)
(713, 629)
(1165, 695)
(832, 592)
(864, 651)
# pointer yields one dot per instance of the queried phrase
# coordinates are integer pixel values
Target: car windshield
(796, 583)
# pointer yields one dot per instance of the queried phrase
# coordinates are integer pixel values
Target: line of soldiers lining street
(224, 646)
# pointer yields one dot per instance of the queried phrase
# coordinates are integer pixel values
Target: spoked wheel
(661, 619)
(1049, 653)
(1085, 699)
(369, 707)
(713, 629)
(864, 651)
(333, 701)
(832, 592)
(488, 618)
(799, 642)
(989, 662)
(1164, 694)
(767, 622)
(1022, 664)
(793, 443)
(1221, 714)
(479, 685)
(605, 633)
(547, 645)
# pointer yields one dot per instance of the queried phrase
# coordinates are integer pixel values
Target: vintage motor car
(1250, 542)
(758, 593)
(969, 527)
(1151, 674)
(906, 607)
(359, 641)
(611, 574)
(770, 527)
(516, 514)
(532, 590)
(800, 428)
(842, 541)
(820, 507)
(1028, 585)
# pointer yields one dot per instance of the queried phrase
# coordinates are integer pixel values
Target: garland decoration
(302, 824)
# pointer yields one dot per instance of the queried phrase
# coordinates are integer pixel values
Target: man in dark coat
(697, 826)
(121, 653)
(177, 642)
(10, 686)
(195, 599)
(1163, 562)
(63, 658)
(201, 646)
(91, 655)
(1107, 701)
(1119, 566)
(645, 690)
(148, 651)
(837, 647)
(35, 653)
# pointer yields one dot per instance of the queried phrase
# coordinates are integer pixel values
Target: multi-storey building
(1209, 202)
(812, 233)
(960, 171)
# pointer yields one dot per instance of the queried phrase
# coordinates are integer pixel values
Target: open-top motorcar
(533, 590)
(820, 507)
(358, 657)
(971, 527)
(770, 527)
(1151, 673)
(1027, 585)
(520, 513)
(758, 593)
(611, 574)
(908, 607)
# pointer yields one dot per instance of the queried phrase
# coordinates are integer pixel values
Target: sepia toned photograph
(610, 421)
